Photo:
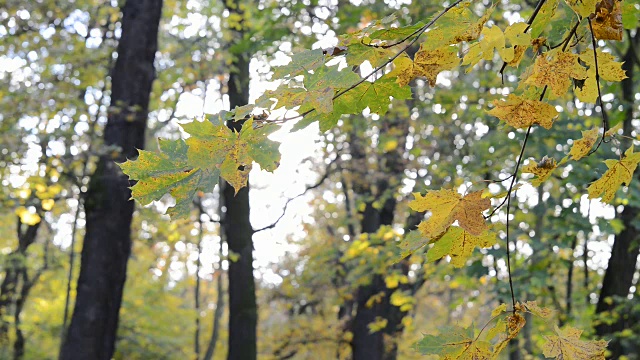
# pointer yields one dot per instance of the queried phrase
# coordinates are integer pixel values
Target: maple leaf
(544, 17)
(447, 206)
(513, 324)
(450, 343)
(607, 22)
(542, 170)
(557, 72)
(494, 39)
(410, 243)
(619, 172)
(357, 53)
(614, 130)
(427, 63)
(584, 8)
(375, 95)
(535, 309)
(520, 112)
(169, 172)
(459, 245)
(566, 345)
(608, 69)
(216, 146)
(457, 25)
(582, 146)
(300, 63)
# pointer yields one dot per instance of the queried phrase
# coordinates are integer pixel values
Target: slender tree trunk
(108, 208)
(618, 278)
(217, 314)
(236, 226)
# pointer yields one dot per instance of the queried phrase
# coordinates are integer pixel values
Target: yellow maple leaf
(556, 72)
(494, 38)
(521, 113)
(566, 345)
(583, 8)
(427, 63)
(459, 245)
(535, 309)
(607, 22)
(608, 69)
(614, 130)
(582, 146)
(619, 172)
(447, 206)
(542, 170)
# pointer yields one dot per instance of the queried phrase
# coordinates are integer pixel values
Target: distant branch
(309, 188)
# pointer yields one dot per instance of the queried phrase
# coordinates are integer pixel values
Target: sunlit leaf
(583, 8)
(556, 72)
(619, 172)
(447, 206)
(459, 245)
(426, 63)
(608, 69)
(544, 17)
(581, 147)
(521, 113)
(542, 170)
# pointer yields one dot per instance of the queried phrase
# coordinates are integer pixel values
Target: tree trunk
(379, 345)
(109, 210)
(236, 226)
(618, 278)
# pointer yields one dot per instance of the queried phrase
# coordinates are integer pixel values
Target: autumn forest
(319, 179)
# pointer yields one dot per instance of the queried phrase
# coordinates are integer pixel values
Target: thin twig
(286, 204)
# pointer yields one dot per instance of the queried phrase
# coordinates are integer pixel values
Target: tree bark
(109, 210)
(379, 345)
(236, 227)
(618, 277)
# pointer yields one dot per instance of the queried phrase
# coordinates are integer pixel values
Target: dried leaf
(522, 113)
(542, 170)
(566, 345)
(532, 307)
(607, 22)
(619, 172)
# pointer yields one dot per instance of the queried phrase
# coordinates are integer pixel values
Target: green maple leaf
(184, 168)
(300, 63)
(357, 53)
(451, 341)
(217, 146)
(396, 33)
(169, 172)
(374, 95)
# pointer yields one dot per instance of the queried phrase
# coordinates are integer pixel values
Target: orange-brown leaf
(556, 72)
(607, 21)
(447, 206)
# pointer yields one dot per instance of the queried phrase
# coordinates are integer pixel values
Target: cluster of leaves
(455, 342)
(323, 85)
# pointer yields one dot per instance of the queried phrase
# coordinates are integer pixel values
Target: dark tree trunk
(107, 242)
(618, 278)
(380, 345)
(237, 230)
